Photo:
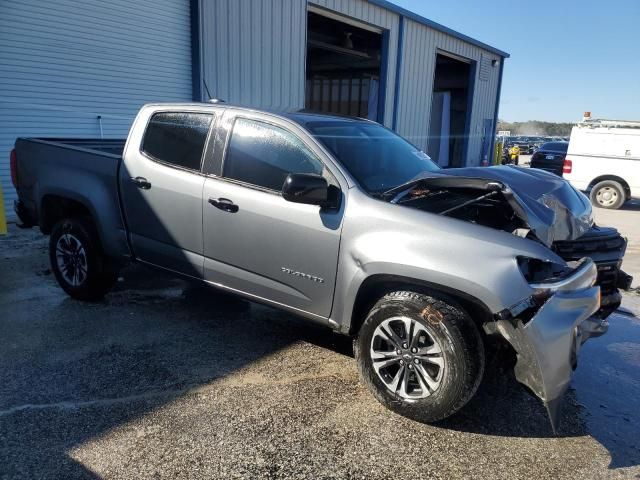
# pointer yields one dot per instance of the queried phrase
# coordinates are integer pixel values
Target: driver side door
(255, 241)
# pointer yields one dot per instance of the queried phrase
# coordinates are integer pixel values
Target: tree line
(535, 127)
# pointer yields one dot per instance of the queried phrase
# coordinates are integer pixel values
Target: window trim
(155, 159)
(252, 185)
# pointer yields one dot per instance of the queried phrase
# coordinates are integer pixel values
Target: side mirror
(310, 189)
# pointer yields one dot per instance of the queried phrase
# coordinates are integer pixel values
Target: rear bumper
(548, 344)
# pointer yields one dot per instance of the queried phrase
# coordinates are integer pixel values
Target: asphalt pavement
(165, 379)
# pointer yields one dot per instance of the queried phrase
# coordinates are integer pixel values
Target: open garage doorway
(345, 64)
(450, 111)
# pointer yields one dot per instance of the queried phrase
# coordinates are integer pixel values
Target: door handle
(141, 182)
(224, 204)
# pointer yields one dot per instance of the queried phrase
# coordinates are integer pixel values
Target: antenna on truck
(206, 88)
(211, 98)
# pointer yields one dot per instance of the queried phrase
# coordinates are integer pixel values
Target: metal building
(82, 69)
(436, 87)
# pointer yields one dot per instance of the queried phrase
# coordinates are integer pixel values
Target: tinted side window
(263, 155)
(177, 138)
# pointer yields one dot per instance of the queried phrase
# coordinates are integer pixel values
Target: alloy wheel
(71, 259)
(407, 358)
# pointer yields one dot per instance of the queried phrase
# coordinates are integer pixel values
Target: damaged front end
(522, 201)
(569, 303)
(547, 330)
(529, 203)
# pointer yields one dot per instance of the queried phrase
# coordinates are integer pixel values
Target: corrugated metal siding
(380, 17)
(421, 44)
(66, 62)
(253, 52)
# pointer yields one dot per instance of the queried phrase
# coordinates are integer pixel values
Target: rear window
(177, 138)
(555, 147)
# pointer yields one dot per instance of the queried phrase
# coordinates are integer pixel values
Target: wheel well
(55, 208)
(614, 178)
(376, 286)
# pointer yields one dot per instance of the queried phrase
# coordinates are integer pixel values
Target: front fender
(379, 238)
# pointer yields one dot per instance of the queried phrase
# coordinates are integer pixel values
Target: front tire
(77, 260)
(421, 356)
(608, 194)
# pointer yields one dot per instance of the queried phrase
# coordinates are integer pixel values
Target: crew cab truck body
(346, 224)
(604, 160)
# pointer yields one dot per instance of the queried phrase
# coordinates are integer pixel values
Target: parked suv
(346, 224)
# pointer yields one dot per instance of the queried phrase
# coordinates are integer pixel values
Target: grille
(579, 248)
(605, 246)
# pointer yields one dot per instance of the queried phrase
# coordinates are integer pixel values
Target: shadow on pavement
(75, 371)
(632, 206)
(156, 338)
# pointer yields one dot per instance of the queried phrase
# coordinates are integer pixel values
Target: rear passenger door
(255, 241)
(161, 187)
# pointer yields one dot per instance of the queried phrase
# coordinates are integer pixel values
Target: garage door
(82, 69)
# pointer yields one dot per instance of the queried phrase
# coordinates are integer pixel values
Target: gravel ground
(164, 379)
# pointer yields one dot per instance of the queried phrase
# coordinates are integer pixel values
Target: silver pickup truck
(344, 223)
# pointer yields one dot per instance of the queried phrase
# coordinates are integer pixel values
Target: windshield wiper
(401, 187)
(469, 202)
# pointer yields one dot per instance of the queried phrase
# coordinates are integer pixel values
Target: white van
(604, 159)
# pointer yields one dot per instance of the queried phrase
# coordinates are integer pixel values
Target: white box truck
(604, 159)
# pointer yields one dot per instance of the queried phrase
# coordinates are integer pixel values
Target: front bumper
(547, 344)
(606, 247)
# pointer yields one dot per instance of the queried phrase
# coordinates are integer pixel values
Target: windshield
(377, 158)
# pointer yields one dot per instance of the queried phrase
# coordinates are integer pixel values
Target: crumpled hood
(552, 208)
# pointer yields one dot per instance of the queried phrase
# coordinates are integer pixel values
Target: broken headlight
(574, 275)
(535, 270)
(546, 278)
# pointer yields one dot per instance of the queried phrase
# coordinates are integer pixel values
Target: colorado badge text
(295, 273)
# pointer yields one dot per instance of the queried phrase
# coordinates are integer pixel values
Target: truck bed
(99, 146)
(84, 170)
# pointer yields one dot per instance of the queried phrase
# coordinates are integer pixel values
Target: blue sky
(567, 56)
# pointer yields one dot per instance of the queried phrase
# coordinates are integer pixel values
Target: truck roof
(301, 117)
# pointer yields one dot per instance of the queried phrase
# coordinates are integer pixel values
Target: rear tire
(608, 194)
(77, 260)
(442, 345)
